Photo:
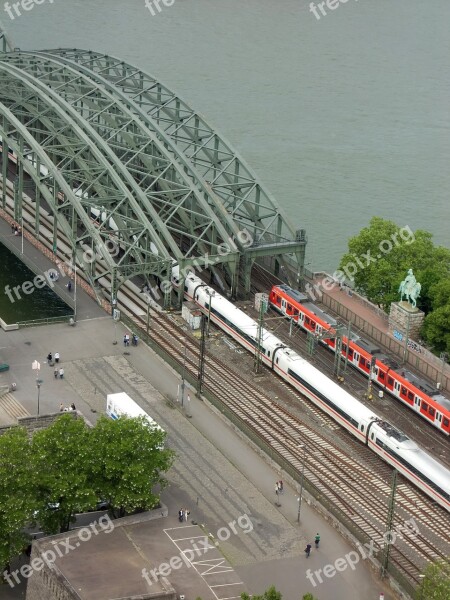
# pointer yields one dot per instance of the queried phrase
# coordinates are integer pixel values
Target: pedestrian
(280, 486)
(186, 514)
(308, 550)
(16, 230)
(12, 228)
(56, 373)
(134, 339)
(61, 407)
(72, 406)
(49, 357)
(181, 515)
(56, 357)
(317, 540)
(69, 286)
(127, 339)
(277, 489)
(61, 373)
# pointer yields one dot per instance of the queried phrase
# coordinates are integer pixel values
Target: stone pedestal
(404, 318)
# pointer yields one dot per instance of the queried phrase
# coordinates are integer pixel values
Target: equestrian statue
(410, 288)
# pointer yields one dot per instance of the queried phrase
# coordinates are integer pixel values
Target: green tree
(62, 455)
(379, 257)
(436, 328)
(436, 582)
(308, 597)
(128, 462)
(269, 594)
(16, 493)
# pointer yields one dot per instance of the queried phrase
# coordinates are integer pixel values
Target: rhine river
(341, 118)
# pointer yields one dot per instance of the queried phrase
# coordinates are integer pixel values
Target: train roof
(320, 313)
(419, 383)
(368, 346)
(294, 294)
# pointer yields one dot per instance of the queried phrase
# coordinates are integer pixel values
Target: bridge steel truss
(123, 163)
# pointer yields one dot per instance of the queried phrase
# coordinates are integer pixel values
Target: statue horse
(411, 292)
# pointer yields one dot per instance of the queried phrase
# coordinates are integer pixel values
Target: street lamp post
(36, 366)
(75, 294)
(301, 482)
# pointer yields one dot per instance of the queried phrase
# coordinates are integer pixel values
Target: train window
(350, 354)
(289, 307)
(307, 320)
(268, 353)
(431, 410)
(362, 428)
(446, 422)
(390, 381)
(425, 406)
(362, 362)
(403, 390)
(295, 313)
(381, 375)
(371, 436)
(410, 396)
(276, 361)
(278, 299)
(313, 324)
(344, 347)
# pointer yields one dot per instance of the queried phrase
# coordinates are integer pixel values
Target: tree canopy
(67, 467)
(17, 487)
(128, 462)
(436, 581)
(270, 594)
(378, 259)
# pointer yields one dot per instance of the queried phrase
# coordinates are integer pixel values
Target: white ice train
(380, 436)
(384, 439)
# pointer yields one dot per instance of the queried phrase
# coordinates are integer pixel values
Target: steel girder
(229, 183)
(145, 160)
(176, 208)
(51, 136)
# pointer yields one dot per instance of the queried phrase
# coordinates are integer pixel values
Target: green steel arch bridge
(116, 156)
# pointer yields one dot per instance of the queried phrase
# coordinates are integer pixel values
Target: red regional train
(416, 393)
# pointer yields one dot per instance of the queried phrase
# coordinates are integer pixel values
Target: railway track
(356, 481)
(358, 491)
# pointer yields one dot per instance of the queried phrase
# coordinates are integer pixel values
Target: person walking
(308, 550)
(181, 515)
(317, 540)
(61, 373)
(280, 485)
(69, 286)
(61, 407)
(49, 357)
(56, 357)
(56, 373)
(72, 406)
(186, 514)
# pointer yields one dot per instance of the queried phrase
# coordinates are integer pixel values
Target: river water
(342, 118)
(35, 303)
